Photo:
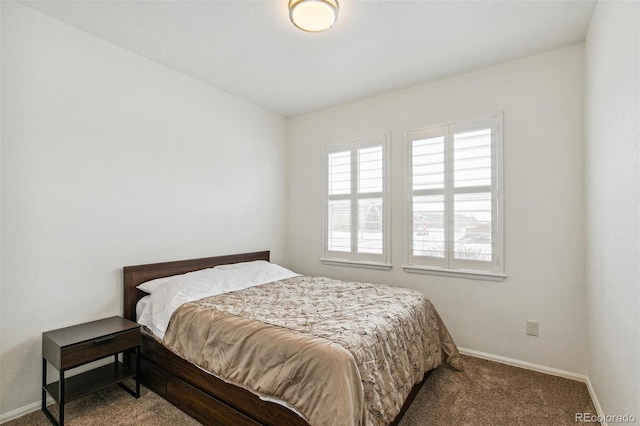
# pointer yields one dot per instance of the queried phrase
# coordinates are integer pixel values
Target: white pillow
(242, 265)
(153, 285)
(171, 292)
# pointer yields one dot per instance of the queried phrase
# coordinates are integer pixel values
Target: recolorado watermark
(607, 418)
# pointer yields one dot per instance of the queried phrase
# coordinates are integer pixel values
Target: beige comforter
(340, 353)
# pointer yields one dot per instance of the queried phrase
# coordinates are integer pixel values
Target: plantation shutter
(356, 218)
(453, 196)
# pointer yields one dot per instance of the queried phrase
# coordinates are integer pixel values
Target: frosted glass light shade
(313, 15)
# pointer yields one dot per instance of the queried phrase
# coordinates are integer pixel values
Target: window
(454, 198)
(356, 208)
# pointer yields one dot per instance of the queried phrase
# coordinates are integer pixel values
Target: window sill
(455, 273)
(357, 264)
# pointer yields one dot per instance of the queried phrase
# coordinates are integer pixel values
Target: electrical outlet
(532, 328)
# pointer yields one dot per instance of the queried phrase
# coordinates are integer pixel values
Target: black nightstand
(74, 346)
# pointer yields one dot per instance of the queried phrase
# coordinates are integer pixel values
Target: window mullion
(449, 194)
(354, 202)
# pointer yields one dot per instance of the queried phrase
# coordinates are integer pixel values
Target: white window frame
(353, 258)
(449, 266)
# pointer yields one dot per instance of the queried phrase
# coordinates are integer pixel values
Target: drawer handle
(103, 340)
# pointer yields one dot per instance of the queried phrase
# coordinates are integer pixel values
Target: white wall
(108, 160)
(613, 205)
(542, 100)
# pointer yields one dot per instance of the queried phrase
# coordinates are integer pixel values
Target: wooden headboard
(136, 275)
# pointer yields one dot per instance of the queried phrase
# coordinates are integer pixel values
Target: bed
(188, 386)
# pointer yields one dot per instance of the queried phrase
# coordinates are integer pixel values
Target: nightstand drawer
(91, 350)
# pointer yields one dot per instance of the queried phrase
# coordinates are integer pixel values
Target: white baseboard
(526, 365)
(541, 369)
(596, 403)
(22, 411)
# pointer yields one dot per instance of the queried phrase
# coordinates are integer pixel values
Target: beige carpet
(486, 393)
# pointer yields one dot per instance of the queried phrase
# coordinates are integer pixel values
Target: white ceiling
(250, 49)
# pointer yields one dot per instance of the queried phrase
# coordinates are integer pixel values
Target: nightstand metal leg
(44, 384)
(45, 410)
(137, 372)
(61, 402)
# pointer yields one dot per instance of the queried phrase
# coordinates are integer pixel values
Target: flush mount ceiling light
(313, 15)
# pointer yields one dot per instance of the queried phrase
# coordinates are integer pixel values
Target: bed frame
(206, 398)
